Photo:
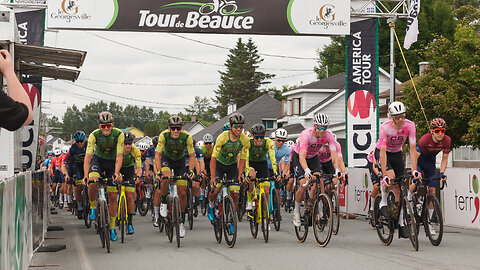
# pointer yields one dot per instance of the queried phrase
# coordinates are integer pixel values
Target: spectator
(39, 162)
(15, 109)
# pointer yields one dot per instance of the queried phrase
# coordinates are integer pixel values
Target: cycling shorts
(58, 177)
(128, 173)
(231, 172)
(312, 163)
(394, 162)
(373, 177)
(327, 167)
(427, 165)
(178, 167)
(261, 169)
(105, 168)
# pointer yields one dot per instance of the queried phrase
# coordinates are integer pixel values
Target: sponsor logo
(218, 14)
(326, 17)
(327, 13)
(70, 11)
(362, 193)
(361, 103)
(70, 7)
(469, 202)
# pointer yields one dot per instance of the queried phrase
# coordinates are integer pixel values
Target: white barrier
(16, 221)
(358, 191)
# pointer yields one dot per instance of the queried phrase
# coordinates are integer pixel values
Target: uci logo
(361, 103)
(70, 6)
(327, 13)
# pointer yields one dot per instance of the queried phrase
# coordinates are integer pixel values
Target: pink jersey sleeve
(413, 132)
(303, 142)
(382, 137)
(331, 140)
(339, 149)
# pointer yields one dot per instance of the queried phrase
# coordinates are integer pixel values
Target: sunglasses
(280, 140)
(237, 126)
(398, 117)
(208, 143)
(80, 141)
(104, 126)
(321, 128)
(127, 143)
(439, 131)
(175, 128)
(258, 137)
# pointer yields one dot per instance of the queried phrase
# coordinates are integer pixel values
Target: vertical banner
(362, 91)
(31, 31)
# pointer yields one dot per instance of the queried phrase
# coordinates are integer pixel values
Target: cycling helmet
(226, 126)
(65, 149)
(175, 120)
(105, 118)
(79, 135)
(321, 119)
(199, 144)
(272, 135)
(258, 129)
(50, 153)
(281, 133)
(289, 143)
(57, 151)
(128, 137)
(236, 118)
(155, 140)
(396, 107)
(142, 146)
(438, 123)
(208, 138)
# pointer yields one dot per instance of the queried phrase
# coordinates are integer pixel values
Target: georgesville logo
(469, 202)
(70, 11)
(70, 6)
(217, 14)
(326, 17)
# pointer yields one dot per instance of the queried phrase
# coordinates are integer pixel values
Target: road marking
(84, 262)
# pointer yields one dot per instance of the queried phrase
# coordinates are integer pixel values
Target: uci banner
(362, 91)
(274, 17)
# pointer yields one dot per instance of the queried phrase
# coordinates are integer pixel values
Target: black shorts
(128, 173)
(231, 171)
(100, 167)
(207, 165)
(58, 177)
(373, 176)
(178, 166)
(327, 167)
(312, 163)
(394, 162)
(261, 168)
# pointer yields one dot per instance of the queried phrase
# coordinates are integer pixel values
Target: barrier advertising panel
(359, 188)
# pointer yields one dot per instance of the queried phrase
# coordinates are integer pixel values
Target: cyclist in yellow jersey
(131, 167)
(224, 159)
(170, 155)
(107, 160)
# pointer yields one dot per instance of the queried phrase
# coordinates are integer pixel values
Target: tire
(409, 217)
(229, 217)
(322, 219)
(100, 225)
(335, 212)
(436, 221)
(203, 206)
(86, 208)
(302, 231)
(241, 203)
(264, 217)
(176, 219)
(383, 226)
(376, 211)
(168, 221)
(217, 226)
(142, 205)
(276, 215)
(253, 222)
(107, 226)
(190, 209)
(123, 219)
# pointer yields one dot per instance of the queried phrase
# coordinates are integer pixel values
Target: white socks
(383, 202)
(289, 195)
(400, 218)
(409, 196)
(297, 207)
(156, 209)
(372, 202)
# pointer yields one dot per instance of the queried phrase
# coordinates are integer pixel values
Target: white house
(54, 143)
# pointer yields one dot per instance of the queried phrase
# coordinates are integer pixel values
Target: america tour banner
(270, 17)
(362, 91)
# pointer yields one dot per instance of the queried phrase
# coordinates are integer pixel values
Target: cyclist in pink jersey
(291, 177)
(305, 156)
(393, 134)
(331, 166)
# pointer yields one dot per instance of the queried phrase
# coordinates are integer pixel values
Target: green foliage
(203, 109)
(279, 93)
(450, 87)
(331, 58)
(241, 81)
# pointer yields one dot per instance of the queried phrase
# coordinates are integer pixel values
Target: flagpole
(391, 23)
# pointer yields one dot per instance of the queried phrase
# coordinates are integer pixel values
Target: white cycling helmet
(142, 146)
(289, 143)
(281, 134)
(208, 138)
(199, 144)
(396, 107)
(65, 149)
(272, 135)
(57, 151)
(321, 119)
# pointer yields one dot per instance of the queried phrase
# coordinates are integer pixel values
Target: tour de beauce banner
(31, 31)
(273, 17)
(362, 91)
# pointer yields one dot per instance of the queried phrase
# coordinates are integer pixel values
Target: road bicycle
(103, 218)
(224, 7)
(122, 211)
(173, 219)
(225, 220)
(191, 210)
(274, 204)
(259, 214)
(86, 207)
(242, 202)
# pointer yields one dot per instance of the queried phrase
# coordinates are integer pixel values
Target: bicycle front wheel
(335, 212)
(409, 220)
(241, 203)
(142, 203)
(229, 221)
(101, 223)
(176, 219)
(168, 221)
(264, 217)
(122, 217)
(383, 225)
(190, 209)
(276, 216)
(106, 225)
(322, 220)
(252, 216)
(433, 222)
(86, 208)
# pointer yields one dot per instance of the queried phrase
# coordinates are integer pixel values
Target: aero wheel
(276, 216)
(409, 220)
(123, 218)
(190, 209)
(433, 222)
(229, 221)
(142, 202)
(383, 225)
(241, 203)
(376, 211)
(264, 217)
(176, 219)
(322, 221)
(252, 217)
(106, 225)
(217, 227)
(168, 221)
(86, 208)
(335, 212)
(101, 223)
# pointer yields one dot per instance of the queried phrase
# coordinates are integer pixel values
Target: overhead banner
(271, 17)
(362, 91)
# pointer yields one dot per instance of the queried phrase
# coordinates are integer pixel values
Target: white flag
(412, 24)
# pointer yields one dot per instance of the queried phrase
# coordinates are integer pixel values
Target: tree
(278, 94)
(450, 87)
(203, 109)
(241, 81)
(331, 59)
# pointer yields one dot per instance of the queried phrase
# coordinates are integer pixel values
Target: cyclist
(74, 160)
(229, 145)
(226, 126)
(305, 156)
(260, 148)
(207, 149)
(48, 161)
(150, 166)
(291, 176)
(375, 176)
(131, 169)
(428, 147)
(330, 165)
(282, 156)
(55, 171)
(199, 168)
(106, 161)
(68, 189)
(169, 156)
(393, 134)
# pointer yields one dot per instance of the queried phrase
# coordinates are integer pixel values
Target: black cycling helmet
(128, 137)
(258, 129)
(175, 120)
(236, 118)
(155, 140)
(105, 118)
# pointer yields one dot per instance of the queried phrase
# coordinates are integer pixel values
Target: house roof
(188, 126)
(334, 82)
(318, 105)
(263, 107)
(53, 139)
(294, 128)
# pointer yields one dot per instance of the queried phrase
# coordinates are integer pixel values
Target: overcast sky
(153, 58)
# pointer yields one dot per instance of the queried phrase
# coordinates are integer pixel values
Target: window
(269, 124)
(467, 153)
(292, 106)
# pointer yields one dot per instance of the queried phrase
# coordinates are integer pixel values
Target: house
(193, 127)
(145, 139)
(137, 132)
(54, 143)
(265, 109)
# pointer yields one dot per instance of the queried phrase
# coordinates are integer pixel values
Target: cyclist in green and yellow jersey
(224, 159)
(131, 168)
(207, 149)
(107, 142)
(257, 166)
(170, 155)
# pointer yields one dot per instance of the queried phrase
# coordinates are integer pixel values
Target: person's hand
(138, 180)
(212, 183)
(338, 173)
(84, 181)
(6, 63)
(416, 174)
(443, 177)
(386, 181)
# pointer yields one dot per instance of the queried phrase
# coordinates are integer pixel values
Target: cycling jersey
(207, 153)
(325, 154)
(57, 162)
(198, 155)
(132, 158)
(77, 155)
(311, 144)
(259, 153)
(426, 145)
(106, 147)
(47, 162)
(149, 155)
(226, 151)
(174, 148)
(280, 153)
(394, 139)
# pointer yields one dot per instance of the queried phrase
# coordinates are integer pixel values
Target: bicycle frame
(257, 195)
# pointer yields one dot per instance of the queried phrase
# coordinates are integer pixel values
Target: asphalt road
(355, 247)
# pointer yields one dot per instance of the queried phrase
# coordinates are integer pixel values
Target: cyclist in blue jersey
(74, 161)
(199, 167)
(282, 155)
